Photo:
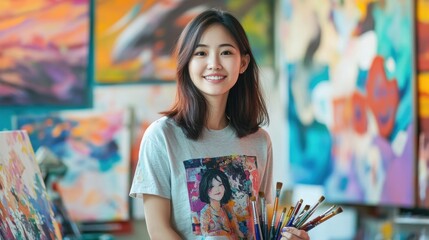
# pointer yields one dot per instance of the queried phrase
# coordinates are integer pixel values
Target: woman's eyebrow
(220, 45)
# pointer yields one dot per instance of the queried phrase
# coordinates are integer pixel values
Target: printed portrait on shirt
(219, 191)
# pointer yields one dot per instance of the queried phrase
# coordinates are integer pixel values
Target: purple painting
(44, 53)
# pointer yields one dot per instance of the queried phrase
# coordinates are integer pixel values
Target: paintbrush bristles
(279, 186)
(261, 194)
(290, 211)
(253, 198)
(338, 210)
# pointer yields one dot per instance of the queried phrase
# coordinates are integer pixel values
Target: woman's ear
(245, 59)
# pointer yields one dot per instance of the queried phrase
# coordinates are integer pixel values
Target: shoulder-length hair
(245, 108)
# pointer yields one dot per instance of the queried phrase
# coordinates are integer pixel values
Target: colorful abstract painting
(25, 209)
(44, 53)
(95, 148)
(422, 34)
(350, 104)
(423, 140)
(135, 38)
(145, 102)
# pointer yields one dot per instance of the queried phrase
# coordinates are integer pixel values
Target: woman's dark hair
(245, 106)
(206, 185)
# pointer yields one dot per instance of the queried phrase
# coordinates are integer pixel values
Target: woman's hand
(290, 233)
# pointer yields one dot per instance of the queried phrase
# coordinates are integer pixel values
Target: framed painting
(145, 102)
(422, 40)
(25, 209)
(95, 148)
(135, 38)
(46, 57)
(350, 97)
(423, 140)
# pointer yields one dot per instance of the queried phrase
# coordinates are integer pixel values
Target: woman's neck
(216, 118)
(218, 123)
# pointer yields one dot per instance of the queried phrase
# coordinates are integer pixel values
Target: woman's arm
(157, 213)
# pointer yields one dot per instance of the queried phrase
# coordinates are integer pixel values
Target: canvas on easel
(25, 210)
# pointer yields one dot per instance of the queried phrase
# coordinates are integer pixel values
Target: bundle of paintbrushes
(288, 218)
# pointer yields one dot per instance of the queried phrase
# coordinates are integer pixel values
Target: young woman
(215, 123)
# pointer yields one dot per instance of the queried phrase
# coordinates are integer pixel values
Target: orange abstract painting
(44, 56)
(135, 39)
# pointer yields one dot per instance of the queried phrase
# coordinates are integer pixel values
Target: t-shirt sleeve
(152, 174)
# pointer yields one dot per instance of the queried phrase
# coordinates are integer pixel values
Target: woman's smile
(214, 78)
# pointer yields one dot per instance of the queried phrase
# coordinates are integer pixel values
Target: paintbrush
(294, 213)
(287, 216)
(304, 210)
(264, 216)
(323, 219)
(309, 212)
(280, 223)
(316, 219)
(276, 203)
(257, 230)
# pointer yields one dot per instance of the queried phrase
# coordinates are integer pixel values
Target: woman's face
(216, 62)
(217, 190)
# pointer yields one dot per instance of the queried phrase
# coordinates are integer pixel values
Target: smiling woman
(210, 138)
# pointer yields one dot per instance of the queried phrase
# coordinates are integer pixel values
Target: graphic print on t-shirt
(219, 191)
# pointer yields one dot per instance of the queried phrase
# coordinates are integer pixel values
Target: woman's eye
(226, 53)
(199, 53)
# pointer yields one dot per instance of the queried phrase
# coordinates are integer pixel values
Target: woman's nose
(213, 63)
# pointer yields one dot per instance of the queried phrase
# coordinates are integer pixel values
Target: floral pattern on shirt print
(219, 191)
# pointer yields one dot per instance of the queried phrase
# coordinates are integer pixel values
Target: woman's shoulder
(161, 126)
(261, 138)
(261, 133)
(161, 122)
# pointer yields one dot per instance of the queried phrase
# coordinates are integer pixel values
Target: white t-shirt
(172, 166)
